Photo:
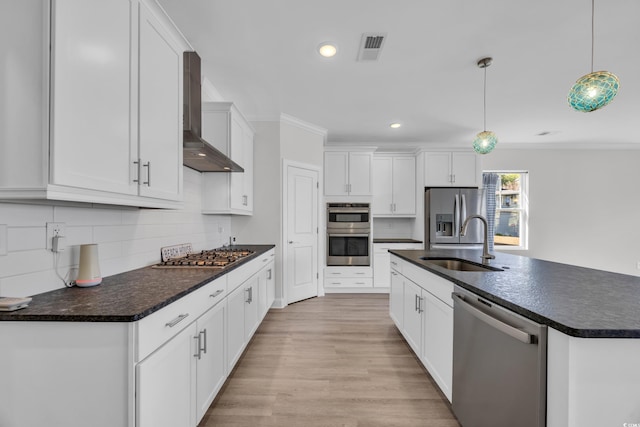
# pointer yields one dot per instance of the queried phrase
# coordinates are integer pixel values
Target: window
(510, 231)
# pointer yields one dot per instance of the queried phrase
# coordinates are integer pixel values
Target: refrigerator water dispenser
(444, 225)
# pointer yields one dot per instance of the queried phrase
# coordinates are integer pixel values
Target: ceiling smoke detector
(371, 45)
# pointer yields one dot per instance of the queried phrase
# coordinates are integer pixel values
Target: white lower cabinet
(427, 318)
(396, 299)
(437, 339)
(211, 369)
(247, 305)
(235, 326)
(163, 370)
(165, 383)
(348, 279)
(413, 319)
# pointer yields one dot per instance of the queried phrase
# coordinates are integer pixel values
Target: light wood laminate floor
(330, 361)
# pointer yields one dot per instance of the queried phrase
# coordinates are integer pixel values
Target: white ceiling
(262, 55)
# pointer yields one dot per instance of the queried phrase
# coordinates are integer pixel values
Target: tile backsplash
(127, 238)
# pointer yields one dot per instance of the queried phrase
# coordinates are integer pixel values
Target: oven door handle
(347, 210)
(348, 235)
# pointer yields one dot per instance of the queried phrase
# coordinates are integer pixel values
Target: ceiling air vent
(371, 46)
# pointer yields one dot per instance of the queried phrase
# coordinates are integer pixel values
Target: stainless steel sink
(459, 264)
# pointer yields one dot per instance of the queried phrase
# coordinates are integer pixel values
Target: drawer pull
(360, 272)
(216, 293)
(360, 283)
(177, 320)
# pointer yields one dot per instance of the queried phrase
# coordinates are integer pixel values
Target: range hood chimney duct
(198, 154)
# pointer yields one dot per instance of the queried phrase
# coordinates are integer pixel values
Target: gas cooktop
(181, 256)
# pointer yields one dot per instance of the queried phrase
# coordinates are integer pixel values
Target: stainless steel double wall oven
(348, 234)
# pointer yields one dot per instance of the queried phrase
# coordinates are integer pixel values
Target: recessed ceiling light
(395, 125)
(327, 49)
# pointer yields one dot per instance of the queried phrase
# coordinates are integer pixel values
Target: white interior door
(301, 233)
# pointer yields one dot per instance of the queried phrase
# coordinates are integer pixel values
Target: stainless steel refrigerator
(445, 211)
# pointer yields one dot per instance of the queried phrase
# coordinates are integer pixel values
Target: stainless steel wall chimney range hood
(198, 154)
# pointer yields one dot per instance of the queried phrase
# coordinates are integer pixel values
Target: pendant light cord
(485, 98)
(593, 14)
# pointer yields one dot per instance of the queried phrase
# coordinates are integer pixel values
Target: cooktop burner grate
(212, 258)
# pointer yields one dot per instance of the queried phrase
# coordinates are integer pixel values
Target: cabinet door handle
(393, 273)
(203, 347)
(453, 178)
(248, 300)
(198, 350)
(269, 274)
(177, 320)
(137, 163)
(148, 166)
(216, 293)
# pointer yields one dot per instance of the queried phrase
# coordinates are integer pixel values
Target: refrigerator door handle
(463, 209)
(456, 216)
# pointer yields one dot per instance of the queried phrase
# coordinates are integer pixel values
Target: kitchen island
(593, 320)
(149, 347)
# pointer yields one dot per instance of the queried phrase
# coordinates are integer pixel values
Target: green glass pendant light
(486, 140)
(596, 89)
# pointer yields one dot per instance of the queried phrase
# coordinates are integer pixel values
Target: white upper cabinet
(160, 110)
(225, 127)
(394, 186)
(451, 169)
(111, 129)
(347, 173)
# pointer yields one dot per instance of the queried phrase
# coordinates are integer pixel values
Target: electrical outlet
(54, 229)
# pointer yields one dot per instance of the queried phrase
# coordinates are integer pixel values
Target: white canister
(89, 270)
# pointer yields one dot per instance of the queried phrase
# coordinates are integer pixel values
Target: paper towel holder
(89, 269)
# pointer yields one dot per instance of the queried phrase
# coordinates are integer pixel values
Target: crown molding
(310, 127)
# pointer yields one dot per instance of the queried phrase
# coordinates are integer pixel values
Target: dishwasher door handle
(516, 333)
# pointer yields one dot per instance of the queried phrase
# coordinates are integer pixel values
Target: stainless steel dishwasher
(499, 365)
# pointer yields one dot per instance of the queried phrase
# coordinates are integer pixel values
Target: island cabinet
(163, 370)
(592, 382)
(394, 186)
(382, 259)
(452, 169)
(111, 129)
(347, 173)
(422, 308)
(225, 128)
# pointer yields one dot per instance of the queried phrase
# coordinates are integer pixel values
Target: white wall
(584, 205)
(274, 142)
(127, 238)
(301, 145)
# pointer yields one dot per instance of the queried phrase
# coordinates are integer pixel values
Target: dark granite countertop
(395, 240)
(577, 301)
(124, 297)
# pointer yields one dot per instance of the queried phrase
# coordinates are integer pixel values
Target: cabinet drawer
(243, 273)
(343, 272)
(348, 282)
(396, 264)
(436, 285)
(157, 328)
